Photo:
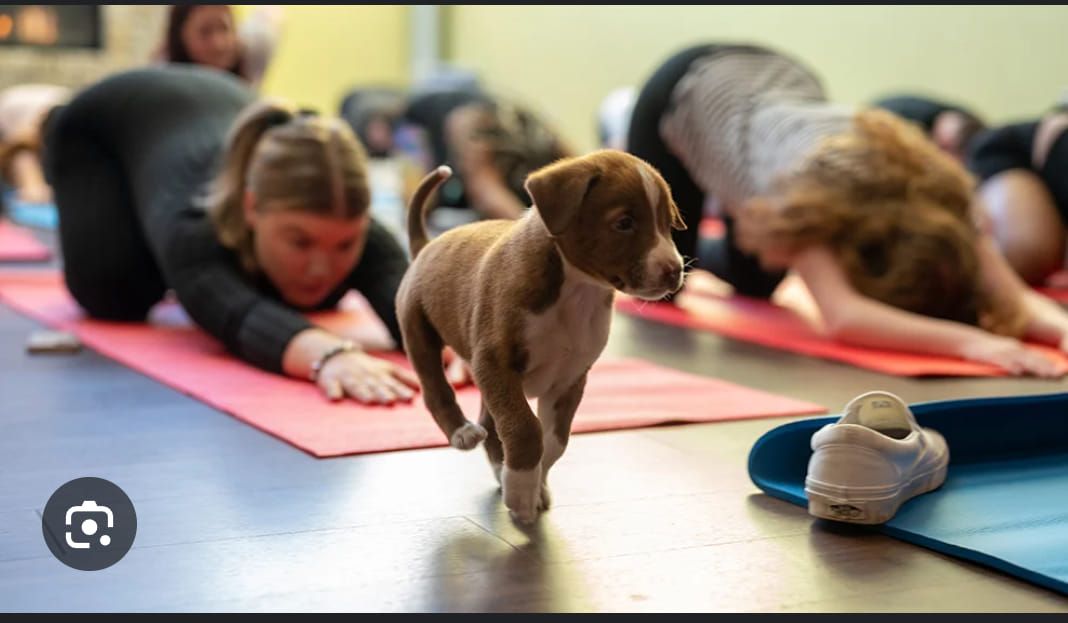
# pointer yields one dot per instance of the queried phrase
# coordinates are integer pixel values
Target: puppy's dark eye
(624, 224)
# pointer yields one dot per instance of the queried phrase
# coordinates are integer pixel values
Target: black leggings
(723, 258)
(1010, 147)
(121, 159)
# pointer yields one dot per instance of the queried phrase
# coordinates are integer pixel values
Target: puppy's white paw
(546, 498)
(521, 490)
(496, 471)
(467, 436)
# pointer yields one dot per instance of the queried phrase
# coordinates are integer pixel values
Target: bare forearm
(865, 322)
(1047, 321)
(856, 319)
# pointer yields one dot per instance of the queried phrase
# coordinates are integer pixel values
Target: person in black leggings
(1023, 168)
(491, 143)
(176, 177)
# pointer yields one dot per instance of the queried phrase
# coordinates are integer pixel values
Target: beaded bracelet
(317, 366)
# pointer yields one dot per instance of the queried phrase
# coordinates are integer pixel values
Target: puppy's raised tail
(419, 206)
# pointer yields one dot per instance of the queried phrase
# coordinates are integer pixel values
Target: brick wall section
(131, 35)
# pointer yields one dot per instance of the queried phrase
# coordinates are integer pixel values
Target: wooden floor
(660, 519)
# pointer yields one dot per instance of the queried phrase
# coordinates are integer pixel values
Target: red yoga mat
(712, 228)
(17, 244)
(767, 324)
(1057, 294)
(620, 394)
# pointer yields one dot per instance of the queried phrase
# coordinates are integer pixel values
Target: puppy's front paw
(467, 436)
(521, 490)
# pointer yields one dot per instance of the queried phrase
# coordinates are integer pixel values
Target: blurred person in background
(951, 126)
(1023, 169)
(207, 34)
(23, 111)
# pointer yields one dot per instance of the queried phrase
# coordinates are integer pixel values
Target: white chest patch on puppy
(563, 341)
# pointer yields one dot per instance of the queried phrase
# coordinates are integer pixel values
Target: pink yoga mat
(18, 244)
(620, 394)
(764, 323)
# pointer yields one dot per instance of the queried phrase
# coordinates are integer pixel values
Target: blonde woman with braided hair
(253, 212)
(882, 227)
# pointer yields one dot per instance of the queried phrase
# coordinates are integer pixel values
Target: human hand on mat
(1013, 356)
(457, 370)
(367, 379)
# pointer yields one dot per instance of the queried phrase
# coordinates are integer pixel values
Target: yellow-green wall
(1005, 61)
(326, 50)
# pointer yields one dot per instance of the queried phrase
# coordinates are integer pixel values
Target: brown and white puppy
(528, 304)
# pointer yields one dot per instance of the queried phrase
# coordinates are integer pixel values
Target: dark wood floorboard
(658, 519)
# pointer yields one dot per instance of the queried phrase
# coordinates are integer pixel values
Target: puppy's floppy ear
(677, 221)
(559, 189)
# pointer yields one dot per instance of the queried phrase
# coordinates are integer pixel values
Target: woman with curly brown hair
(877, 222)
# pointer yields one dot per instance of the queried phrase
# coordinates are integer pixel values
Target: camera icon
(89, 524)
(84, 517)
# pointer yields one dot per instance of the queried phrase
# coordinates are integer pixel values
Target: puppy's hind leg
(424, 347)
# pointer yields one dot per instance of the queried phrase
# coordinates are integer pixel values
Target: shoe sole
(840, 505)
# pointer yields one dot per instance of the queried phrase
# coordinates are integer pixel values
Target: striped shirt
(740, 119)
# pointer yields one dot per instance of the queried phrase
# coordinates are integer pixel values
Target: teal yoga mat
(1005, 500)
(36, 215)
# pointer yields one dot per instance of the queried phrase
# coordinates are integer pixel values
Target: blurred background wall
(1004, 61)
(326, 50)
(131, 34)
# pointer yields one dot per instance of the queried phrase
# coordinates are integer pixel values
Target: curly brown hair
(895, 211)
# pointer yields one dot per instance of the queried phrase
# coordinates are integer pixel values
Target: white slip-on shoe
(873, 460)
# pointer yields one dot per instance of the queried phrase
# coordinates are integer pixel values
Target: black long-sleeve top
(165, 128)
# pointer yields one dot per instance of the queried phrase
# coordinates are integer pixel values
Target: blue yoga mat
(1005, 500)
(36, 215)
